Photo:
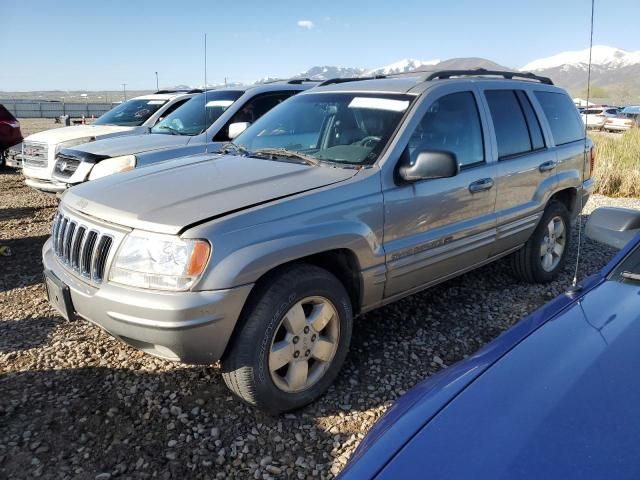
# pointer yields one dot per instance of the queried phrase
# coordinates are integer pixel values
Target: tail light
(592, 160)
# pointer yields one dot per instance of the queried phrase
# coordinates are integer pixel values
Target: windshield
(346, 128)
(190, 118)
(132, 113)
(630, 265)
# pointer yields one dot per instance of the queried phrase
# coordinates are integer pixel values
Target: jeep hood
(132, 144)
(170, 196)
(58, 135)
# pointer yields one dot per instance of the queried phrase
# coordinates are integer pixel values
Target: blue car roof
(506, 408)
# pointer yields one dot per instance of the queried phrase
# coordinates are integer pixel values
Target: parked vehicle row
(40, 150)
(627, 118)
(596, 117)
(344, 197)
(205, 123)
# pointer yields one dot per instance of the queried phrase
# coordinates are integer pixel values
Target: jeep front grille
(81, 247)
(35, 154)
(65, 165)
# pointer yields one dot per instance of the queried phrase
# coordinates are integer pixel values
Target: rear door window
(510, 125)
(566, 126)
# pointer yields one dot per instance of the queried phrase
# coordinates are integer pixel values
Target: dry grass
(617, 170)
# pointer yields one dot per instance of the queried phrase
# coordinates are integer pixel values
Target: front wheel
(292, 340)
(542, 258)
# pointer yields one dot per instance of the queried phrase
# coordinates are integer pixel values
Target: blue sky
(79, 44)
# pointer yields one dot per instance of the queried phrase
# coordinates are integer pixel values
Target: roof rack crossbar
(444, 74)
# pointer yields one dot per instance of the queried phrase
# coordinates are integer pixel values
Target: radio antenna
(206, 143)
(584, 158)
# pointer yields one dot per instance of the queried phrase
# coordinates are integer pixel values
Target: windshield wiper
(171, 129)
(284, 153)
(631, 276)
(238, 149)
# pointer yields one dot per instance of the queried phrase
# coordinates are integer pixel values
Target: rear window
(566, 126)
(509, 123)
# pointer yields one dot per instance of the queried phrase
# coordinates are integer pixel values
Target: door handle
(547, 166)
(481, 185)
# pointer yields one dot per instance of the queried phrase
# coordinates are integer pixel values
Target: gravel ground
(77, 404)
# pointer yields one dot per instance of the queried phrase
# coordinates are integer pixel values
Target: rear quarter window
(566, 126)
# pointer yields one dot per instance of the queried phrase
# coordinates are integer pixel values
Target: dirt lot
(77, 404)
(29, 126)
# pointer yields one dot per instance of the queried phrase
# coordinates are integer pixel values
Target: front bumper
(13, 156)
(192, 327)
(44, 185)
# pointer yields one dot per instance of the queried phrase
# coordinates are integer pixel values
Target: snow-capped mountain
(402, 66)
(406, 65)
(602, 56)
(615, 73)
(326, 71)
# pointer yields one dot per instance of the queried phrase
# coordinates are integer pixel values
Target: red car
(10, 133)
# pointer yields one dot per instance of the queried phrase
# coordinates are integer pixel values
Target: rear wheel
(542, 258)
(292, 340)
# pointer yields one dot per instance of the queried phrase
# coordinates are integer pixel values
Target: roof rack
(300, 81)
(444, 74)
(336, 80)
(159, 92)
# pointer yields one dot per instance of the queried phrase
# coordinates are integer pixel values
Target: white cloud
(308, 24)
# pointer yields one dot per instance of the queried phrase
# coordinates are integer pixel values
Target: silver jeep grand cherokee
(340, 200)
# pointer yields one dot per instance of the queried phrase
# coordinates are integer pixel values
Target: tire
(528, 263)
(271, 319)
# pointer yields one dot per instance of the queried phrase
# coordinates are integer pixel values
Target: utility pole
(124, 91)
(157, 87)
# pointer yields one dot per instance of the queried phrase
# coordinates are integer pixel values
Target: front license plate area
(59, 295)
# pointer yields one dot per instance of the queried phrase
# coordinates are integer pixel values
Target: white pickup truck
(135, 116)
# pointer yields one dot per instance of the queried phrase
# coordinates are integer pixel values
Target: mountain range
(615, 73)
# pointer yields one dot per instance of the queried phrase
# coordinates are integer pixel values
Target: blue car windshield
(131, 113)
(195, 116)
(631, 264)
(346, 128)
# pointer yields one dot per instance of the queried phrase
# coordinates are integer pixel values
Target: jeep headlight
(109, 166)
(74, 142)
(160, 262)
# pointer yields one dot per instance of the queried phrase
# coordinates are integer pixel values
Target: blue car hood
(132, 144)
(564, 403)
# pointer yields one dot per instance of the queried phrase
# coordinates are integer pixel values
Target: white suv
(135, 116)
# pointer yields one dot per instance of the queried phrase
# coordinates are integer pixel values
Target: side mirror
(429, 164)
(613, 226)
(237, 128)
